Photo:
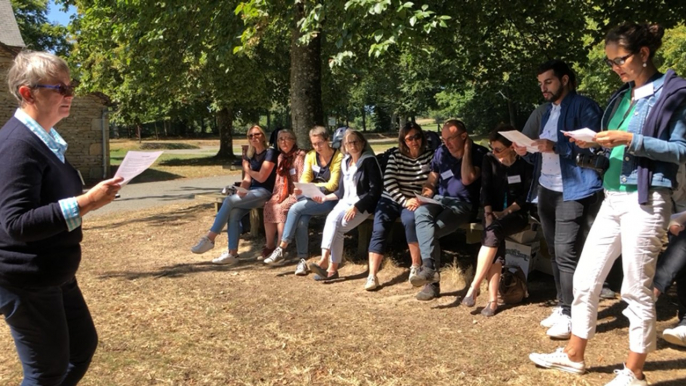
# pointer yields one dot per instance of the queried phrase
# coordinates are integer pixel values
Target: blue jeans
(435, 221)
(52, 330)
(387, 211)
(298, 220)
(234, 208)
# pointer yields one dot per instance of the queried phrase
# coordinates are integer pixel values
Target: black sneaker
(429, 292)
(425, 276)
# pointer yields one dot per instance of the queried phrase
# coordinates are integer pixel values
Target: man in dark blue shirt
(454, 184)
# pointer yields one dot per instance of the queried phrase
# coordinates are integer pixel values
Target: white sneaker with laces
(302, 269)
(371, 284)
(676, 335)
(202, 246)
(626, 377)
(226, 258)
(550, 320)
(562, 329)
(558, 360)
(414, 270)
(276, 257)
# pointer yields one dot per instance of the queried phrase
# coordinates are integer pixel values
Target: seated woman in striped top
(407, 169)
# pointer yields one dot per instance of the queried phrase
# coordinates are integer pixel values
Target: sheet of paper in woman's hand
(584, 134)
(135, 163)
(520, 139)
(309, 190)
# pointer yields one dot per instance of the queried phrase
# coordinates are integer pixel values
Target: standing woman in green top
(645, 137)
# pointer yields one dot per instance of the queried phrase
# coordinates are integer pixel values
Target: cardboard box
(522, 255)
(524, 237)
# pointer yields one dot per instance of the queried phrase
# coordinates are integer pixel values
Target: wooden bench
(217, 199)
(473, 233)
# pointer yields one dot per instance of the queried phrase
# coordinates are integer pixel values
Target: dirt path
(168, 317)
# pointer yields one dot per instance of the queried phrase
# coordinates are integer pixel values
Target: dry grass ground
(168, 317)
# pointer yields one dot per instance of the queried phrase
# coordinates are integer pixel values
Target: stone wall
(82, 129)
(83, 132)
(7, 102)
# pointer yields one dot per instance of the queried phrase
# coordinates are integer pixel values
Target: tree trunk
(364, 119)
(138, 132)
(511, 109)
(224, 123)
(157, 135)
(165, 125)
(306, 83)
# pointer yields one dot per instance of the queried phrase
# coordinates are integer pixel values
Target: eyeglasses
(617, 61)
(495, 150)
(255, 135)
(354, 142)
(451, 137)
(284, 139)
(415, 137)
(63, 89)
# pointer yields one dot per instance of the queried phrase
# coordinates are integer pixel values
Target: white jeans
(336, 227)
(635, 231)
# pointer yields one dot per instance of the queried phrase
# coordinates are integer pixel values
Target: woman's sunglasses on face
(496, 150)
(254, 135)
(412, 138)
(63, 89)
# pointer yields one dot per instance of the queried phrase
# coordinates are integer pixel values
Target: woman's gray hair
(32, 67)
(320, 131)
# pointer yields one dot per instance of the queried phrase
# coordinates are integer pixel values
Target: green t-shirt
(619, 122)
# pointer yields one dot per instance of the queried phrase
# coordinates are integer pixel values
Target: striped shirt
(405, 176)
(58, 146)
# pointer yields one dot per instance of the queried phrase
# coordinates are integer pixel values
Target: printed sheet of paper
(678, 218)
(426, 200)
(584, 134)
(135, 163)
(309, 190)
(520, 139)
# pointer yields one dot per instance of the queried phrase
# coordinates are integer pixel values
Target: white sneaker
(226, 258)
(626, 377)
(276, 257)
(202, 246)
(676, 335)
(558, 360)
(414, 270)
(562, 329)
(371, 284)
(302, 269)
(550, 320)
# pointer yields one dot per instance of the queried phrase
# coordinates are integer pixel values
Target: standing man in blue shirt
(569, 196)
(454, 181)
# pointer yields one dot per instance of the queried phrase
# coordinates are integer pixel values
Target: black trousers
(53, 332)
(671, 265)
(565, 225)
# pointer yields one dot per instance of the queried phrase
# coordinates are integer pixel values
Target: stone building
(86, 128)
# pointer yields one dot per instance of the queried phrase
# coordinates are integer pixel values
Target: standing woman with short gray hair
(41, 209)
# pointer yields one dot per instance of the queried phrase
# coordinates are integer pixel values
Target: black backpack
(433, 140)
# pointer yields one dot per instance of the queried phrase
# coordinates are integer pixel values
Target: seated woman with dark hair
(407, 169)
(505, 181)
(288, 170)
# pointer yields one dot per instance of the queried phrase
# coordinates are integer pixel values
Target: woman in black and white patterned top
(407, 169)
